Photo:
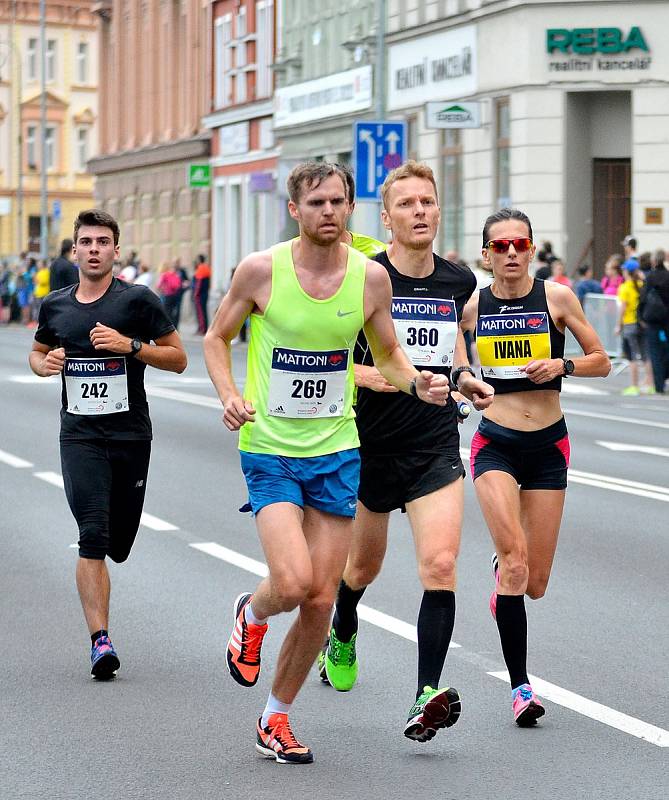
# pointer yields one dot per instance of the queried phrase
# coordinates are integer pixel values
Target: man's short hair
(629, 241)
(350, 182)
(583, 270)
(410, 169)
(96, 217)
(65, 246)
(311, 174)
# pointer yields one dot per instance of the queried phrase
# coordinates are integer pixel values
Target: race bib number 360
(306, 383)
(426, 329)
(507, 342)
(96, 386)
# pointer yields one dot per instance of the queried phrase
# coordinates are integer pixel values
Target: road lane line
(371, 615)
(14, 461)
(50, 477)
(184, 397)
(627, 420)
(597, 711)
(621, 447)
(148, 520)
(156, 524)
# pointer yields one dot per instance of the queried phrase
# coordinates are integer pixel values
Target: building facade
(326, 80)
(152, 172)
(72, 120)
(558, 108)
(243, 151)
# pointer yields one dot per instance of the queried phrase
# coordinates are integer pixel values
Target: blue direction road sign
(379, 147)
(57, 209)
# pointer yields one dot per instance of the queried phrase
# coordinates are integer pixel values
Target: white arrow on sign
(635, 448)
(368, 139)
(392, 138)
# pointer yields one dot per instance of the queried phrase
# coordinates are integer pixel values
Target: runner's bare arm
(566, 311)
(370, 378)
(46, 361)
(389, 357)
(249, 289)
(167, 353)
(470, 312)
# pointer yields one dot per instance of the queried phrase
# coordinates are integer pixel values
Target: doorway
(611, 207)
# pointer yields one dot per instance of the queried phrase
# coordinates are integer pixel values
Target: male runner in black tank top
(410, 459)
(520, 453)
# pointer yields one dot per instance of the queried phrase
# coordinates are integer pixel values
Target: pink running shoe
(527, 707)
(493, 597)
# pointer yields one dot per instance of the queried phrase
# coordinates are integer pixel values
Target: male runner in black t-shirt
(410, 455)
(97, 334)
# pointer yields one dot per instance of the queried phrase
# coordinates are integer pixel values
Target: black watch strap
(455, 374)
(136, 346)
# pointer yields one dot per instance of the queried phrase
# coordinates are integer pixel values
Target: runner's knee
(362, 572)
(437, 570)
(290, 589)
(536, 586)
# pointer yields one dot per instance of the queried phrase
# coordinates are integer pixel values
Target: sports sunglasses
(521, 245)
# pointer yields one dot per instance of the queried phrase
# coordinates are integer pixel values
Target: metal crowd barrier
(602, 312)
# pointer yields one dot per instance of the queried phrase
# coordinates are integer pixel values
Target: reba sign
(597, 50)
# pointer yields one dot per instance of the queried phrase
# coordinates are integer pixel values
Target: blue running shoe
(104, 659)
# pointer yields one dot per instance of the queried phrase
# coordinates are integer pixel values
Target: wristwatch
(455, 374)
(136, 346)
(568, 366)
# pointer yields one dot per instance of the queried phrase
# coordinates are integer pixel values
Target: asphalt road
(174, 724)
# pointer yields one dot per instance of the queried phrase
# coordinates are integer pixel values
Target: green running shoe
(434, 709)
(341, 664)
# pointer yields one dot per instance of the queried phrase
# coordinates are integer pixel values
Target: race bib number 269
(307, 383)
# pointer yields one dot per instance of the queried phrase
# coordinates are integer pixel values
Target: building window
(51, 60)
(50, 147)
(241, 22)
(31, 147)
(82, 149)
(31, 59)
(452, 190)
(502, 153)
(82, 62)
(224, 51)
(264, 47)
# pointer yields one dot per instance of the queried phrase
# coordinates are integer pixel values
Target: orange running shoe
(244, 645)
(278, 741)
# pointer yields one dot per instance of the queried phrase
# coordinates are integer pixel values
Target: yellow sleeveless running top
(300, 364)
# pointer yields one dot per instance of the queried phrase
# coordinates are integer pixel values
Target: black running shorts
(105, 483)
(536, 459)
(389, 482)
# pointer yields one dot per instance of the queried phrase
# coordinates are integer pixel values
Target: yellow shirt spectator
(628, 293)
(41, 283)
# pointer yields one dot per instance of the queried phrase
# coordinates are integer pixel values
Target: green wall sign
(586, 41)
(199, 175)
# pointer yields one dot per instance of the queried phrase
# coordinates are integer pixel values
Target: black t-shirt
(62, 273)
(425, 311)
(133, 311)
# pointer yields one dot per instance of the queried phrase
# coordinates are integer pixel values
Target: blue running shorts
(328, 483)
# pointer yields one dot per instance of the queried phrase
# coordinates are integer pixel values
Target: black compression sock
(345, 620)
(435, 628)
(95, 636)
(512, 626)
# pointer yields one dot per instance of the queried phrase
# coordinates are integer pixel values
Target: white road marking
(648, 490)
(156, 524)
(579, 388)
(148, 520)
(184, 397)
(14, 461)
(50, 477)
(371, 615)
(635, 448)
(33, 379)
(589, 708)
(614, 418)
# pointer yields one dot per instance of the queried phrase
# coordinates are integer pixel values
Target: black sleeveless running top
(511, 333)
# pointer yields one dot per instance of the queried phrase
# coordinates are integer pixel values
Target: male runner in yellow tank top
(307, 300)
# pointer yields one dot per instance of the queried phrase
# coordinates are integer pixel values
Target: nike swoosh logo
(341, 313)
